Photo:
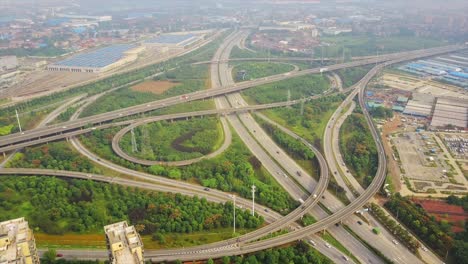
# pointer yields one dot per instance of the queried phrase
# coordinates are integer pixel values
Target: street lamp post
(253, 200)
(234, 211)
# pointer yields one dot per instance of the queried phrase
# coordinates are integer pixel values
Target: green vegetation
(256, 70)
(330, 239)
(365, 45)
(307, 220)
(435, 234)
(235, 170)
(311, 125)
(55, 155)
(358, 148)
(463, 201)
(381, 112)
(5, 130)
(299, 87)
(56, 206)
(350, 76)
(369, 246)
(181, 140)
(402, 234)
(237, 52)
(29, 120)
(66, 115)
(293, 146)
(299, 253)
(190, 79)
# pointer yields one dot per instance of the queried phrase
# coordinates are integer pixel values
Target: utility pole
(17, 118)
(302, 106)
(253, 200)
(234, 211)
(134, 145)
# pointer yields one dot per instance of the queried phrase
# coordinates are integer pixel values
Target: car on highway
(206, 189)
(395, 242)
(345, 258)
(299, 173)
(359, 222)
(266, 210)
(424, 249)
(327, 245)
(59, 255)
(312, 242)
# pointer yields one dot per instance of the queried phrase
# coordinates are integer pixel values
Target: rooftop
(171, 39)
(124, 243)
(98, 58)
(17, 243)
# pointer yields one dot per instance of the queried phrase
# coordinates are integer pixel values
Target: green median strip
(330, 239)
(371, 248)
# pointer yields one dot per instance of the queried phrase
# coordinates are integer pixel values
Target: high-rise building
(17, 244)
(124, 244)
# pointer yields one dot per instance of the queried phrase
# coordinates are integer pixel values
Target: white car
(327, 245)
(312, 242)
(395, 242)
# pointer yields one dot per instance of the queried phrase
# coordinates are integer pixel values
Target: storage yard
(426, 164)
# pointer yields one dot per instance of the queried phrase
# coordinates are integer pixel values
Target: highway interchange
(233, 108)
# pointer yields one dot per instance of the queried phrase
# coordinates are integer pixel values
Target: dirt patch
(77, 240)
(444, 211)
(156, 87)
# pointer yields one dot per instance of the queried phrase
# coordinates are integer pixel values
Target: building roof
(398, 108)
(17, 243)
(124, 243)
(450, 112)
(171, 39)
(98, 58)
(402, 99)
(418, 108)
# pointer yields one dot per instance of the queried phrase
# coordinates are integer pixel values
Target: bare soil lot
(156, 87)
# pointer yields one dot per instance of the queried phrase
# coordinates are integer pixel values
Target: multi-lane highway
(129, 111)
(247, 243)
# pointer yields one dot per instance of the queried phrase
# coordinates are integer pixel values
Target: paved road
(92, 120)
(278, 156)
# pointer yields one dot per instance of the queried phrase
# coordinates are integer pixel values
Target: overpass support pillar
(4, 155)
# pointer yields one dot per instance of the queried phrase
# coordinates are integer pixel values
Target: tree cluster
(55, 156)
(381, 112)
(291, 145)
(235, 170)
(435, 234)
(358, 148)
(403, 235)
(62, 206)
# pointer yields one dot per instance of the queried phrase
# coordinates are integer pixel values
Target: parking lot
(419, 156)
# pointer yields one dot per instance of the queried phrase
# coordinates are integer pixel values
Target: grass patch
(256, 70)
(298, 87)
(311, 125)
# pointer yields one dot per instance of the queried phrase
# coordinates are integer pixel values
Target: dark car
(359, 222)
(206, 189)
